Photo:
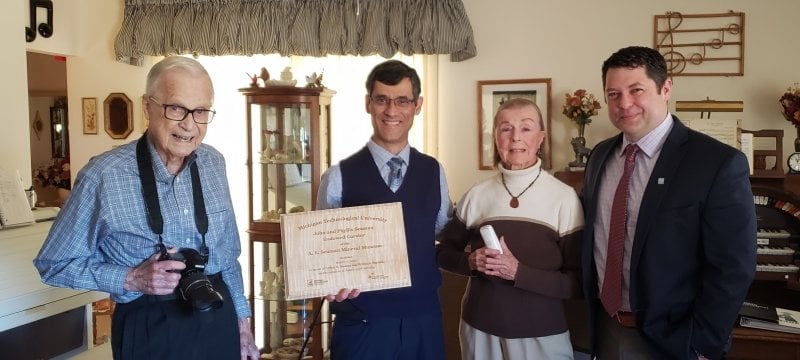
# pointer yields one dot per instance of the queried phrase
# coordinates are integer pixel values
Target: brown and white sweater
(544, 234)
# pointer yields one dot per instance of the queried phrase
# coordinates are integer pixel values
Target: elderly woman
(513, 308)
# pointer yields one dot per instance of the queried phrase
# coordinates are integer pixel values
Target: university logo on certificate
(359, 247)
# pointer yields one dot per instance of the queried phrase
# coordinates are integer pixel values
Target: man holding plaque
(404, 323)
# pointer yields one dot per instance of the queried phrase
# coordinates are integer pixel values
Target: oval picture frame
(118, 115)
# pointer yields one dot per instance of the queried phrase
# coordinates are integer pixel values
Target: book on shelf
(767, 325)
(758, 311)
(770, 318)
(788, 318)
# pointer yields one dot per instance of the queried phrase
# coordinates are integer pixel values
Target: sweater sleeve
(450, 252)
(563, 283)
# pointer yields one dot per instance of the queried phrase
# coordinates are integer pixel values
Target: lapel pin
(660, 181)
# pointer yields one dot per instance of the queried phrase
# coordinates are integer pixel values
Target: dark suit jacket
(694, 250)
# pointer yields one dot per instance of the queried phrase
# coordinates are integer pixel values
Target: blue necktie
(395, 173)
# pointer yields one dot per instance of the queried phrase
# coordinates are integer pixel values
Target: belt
(168, 297)
(626, 319)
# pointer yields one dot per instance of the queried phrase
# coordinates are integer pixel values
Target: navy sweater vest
(420, 195)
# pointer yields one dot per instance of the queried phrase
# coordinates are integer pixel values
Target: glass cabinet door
(281, 326)
(282, 177)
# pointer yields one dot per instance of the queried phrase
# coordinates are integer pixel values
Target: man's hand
(154, 277)
(343, 295)
(248, 346)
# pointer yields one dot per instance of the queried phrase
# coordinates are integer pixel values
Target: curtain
(294, 27)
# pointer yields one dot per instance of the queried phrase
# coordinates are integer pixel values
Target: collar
(521, 172)
(161, 173)
(382, 156)
(651, 143)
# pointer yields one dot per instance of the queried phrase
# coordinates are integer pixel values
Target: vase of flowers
(790, 108)
(579, 107)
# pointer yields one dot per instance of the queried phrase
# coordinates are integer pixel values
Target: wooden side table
(571, 178)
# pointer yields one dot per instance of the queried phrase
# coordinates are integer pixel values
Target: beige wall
(14, 141)
(515, 38)
(568, 41)
(84, 31)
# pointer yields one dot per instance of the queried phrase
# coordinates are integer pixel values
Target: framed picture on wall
(491, 94)
(118, 115)
(89, 106)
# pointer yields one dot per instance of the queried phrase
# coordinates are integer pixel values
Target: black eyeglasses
(401, 102)
(178, 113)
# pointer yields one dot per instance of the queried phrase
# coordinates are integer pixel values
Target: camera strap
(150, 192)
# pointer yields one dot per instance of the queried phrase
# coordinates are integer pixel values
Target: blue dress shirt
(102, 231)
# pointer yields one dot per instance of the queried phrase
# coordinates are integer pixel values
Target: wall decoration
(492, 93)
(89, 106)
(701, 45)
(45, 28)
(118, 115)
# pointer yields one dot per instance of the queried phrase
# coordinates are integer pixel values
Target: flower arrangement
(580, 106)
(790, 101)
(55, 173)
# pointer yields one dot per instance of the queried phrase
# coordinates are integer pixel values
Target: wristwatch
(794, 163)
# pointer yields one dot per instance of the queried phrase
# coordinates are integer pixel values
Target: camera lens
(194, 284)
(196, 288)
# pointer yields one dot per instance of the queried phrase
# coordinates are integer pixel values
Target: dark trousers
(155, 327)
(408, 338)
(617, 342)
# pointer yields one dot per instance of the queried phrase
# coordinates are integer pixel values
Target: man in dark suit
(670, 246)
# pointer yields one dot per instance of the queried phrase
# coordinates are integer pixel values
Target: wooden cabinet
(776, 280)
(288, 138)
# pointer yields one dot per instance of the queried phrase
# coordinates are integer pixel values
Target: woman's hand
(477, 259)
(502, 265)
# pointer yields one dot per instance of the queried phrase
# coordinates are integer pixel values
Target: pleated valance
(294, 27)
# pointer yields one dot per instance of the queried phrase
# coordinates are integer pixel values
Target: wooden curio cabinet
(288, 148)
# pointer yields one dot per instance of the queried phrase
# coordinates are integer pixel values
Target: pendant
(514, 203)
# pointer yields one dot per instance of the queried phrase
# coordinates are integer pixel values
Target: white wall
(568, 41)
(14, 142)
(84, 30)
(515, 38)
(94, 73)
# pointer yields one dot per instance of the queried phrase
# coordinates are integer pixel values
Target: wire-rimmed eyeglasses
(401, 101)
(178, 113)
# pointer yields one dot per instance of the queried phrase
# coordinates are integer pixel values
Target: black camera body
(194, 285)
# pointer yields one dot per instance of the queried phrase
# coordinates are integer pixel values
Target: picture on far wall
(118, 115)
(89, 106)
(491, 94)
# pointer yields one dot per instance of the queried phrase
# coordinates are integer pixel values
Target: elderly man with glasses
(147, 217)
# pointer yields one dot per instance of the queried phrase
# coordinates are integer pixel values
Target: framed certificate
(360, 247)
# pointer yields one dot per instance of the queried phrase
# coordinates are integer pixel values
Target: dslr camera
(194, 285)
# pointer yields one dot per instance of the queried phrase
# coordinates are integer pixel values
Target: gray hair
(170, 63)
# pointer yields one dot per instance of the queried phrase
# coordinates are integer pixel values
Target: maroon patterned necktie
(611, 294)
